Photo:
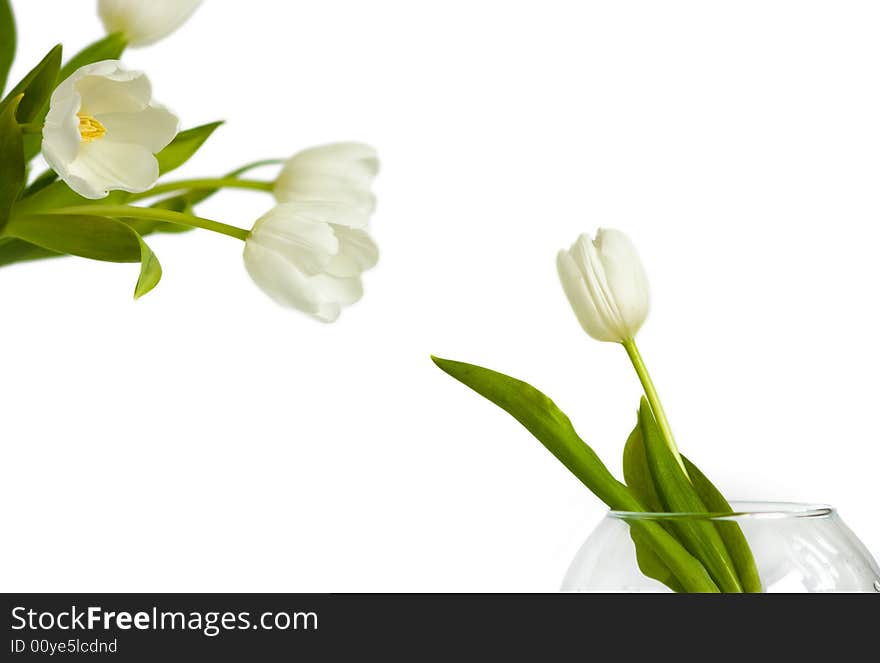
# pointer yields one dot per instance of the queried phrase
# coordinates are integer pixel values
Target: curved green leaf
(151, 271)
(12, 170)
(36, 86)
(95, 237)
(87, 236)
(543, 419)
(14, 250)
(184, 145)
(51, 196)
(7, 41)
(554, 430)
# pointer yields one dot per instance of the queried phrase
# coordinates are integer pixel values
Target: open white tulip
(341, 172)
(310, 255)
(606, 285)
(103, 128)
(144, 22)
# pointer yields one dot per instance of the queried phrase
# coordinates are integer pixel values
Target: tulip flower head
(310, 256)
(309, 252)
(340, 172)
(606, 285)
(145, 22)
(103, 130)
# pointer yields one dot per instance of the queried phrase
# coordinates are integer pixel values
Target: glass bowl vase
(797, 548)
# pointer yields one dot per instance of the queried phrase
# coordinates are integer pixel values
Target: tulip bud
(606, 285)
(144, 22)
(339, 172)
(309, 255)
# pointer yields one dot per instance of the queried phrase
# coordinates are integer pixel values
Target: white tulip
(606, 285)
(103, 128)
(341, 172)
(144, 22)
(309, 255)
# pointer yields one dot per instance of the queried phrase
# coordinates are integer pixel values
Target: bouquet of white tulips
(608, 290)
(107, 143)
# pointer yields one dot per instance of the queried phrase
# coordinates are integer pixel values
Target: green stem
(205, 183)
(31, 127)
(653, 398)
(126, 211)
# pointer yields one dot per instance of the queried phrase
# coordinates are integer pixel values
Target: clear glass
(797, 548)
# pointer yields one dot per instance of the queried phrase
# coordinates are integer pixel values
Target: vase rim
(741, 510)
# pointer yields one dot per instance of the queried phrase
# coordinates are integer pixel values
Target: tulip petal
(343, 291)
(357, 252)
(108, 165)
(356, 163)
(625, 278)
(61, 137)
(587, 259)
(316, 187)
(337, 214)
(154, 127)
(575, 287)
(341, 172)
(84, 186)
(279, 279)
(113, 90)
(305, 242)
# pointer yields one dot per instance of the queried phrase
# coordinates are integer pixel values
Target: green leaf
(554, 430)
(87, 236)
(37, 87)
(52, 196)
(637, 473)
(151, 271)
(543, 419)
(95, 237)
(14, 250)
(108, 48)
(7, 41)
(43, 180)
(730, 532)
(699, 536)
(184, 145)
(650, 563)
(12, 170)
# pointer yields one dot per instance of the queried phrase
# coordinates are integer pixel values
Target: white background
(203, 438)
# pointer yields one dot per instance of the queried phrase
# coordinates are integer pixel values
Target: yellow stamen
(89, 128)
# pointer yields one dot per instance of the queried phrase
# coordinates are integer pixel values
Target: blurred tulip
(144, 22)
(310, 256)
